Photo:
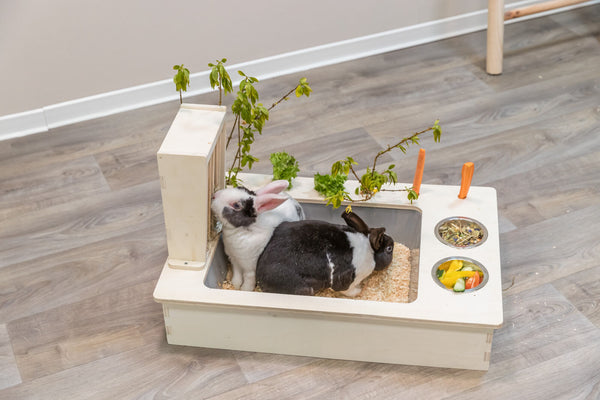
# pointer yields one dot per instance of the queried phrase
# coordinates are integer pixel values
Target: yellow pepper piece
(453, 265)
(450, 278)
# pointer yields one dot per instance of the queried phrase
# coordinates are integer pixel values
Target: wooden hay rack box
(438, 327)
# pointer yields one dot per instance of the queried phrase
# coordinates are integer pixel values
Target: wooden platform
(82, 239)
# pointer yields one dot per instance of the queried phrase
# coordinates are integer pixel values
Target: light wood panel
(82, 238)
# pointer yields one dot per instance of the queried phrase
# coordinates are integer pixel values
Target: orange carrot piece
(419, 171)
(465, 182)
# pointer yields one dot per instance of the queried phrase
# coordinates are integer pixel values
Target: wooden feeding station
(436, 327)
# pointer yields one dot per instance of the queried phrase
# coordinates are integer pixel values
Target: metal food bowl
(475, 263)
(465, 226)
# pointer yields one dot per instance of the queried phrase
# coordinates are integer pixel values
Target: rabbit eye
(389, 249)
(237, 205)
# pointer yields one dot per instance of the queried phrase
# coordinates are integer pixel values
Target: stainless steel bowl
(458, 221)
(470, 260)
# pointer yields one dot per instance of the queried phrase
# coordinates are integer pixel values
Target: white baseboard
(86, 108)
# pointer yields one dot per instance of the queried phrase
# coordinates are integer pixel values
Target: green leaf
(411, 195)
(285, 166)
(214, 78)
(329, 185)
(437, 131)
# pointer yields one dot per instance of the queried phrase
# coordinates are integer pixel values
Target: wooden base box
(438, 328)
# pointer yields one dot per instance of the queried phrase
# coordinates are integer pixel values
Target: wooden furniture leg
(495, 37)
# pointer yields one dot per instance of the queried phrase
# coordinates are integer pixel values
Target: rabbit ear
(354, 221)
(273, 187)
(268, 201)
(376, 237)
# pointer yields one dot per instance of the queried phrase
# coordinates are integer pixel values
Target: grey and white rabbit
(304, 257)
(249, 218)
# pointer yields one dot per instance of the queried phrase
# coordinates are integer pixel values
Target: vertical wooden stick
(465, 182)
(495, 37)
(419, 171)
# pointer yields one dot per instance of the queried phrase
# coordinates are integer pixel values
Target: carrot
(466, 176)
(419, 171)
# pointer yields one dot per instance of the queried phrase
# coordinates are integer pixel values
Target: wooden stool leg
(495, 37)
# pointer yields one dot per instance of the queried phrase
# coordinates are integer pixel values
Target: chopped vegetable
(473, 282)
(459, 275)
(449, 280)
(459, 286)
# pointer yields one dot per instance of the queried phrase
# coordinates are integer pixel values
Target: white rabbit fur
(249, 219)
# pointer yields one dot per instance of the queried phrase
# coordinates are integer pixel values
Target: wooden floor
(82, 238)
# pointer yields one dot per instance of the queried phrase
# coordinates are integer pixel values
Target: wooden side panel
(183, 182)
(326, 336)
(191, 167)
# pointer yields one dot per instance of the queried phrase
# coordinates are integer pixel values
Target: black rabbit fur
(304, 257)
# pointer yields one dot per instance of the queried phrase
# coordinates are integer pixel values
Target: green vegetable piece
(459, 286)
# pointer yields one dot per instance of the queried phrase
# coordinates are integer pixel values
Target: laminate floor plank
(82, 237)
(152, 371)
(9, 372)
(72, 275)
(492, 113)
(84, 331)
(583, 22)
(81, 222)
(572, 375)
(130, 165)
(48, 186)
(583, 290)
(549, 250)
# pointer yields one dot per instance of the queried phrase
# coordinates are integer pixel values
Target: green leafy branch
(220, 78)
(371, 181)
(181, 80)
(250, 118)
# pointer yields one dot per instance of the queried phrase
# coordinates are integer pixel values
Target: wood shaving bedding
(390, 285)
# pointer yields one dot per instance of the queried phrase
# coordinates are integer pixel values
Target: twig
(389, 148)
(354, 173)
(235, 123)
(281, 99)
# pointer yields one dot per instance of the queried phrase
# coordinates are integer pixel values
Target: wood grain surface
(82, 238)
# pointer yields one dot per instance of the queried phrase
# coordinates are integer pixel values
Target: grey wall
(60, 50)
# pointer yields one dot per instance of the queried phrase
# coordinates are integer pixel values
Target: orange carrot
(466, 176)
(419, 171)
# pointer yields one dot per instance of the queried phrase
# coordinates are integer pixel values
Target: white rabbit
(249, 219)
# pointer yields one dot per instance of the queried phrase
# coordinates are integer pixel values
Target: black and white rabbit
(306, 256)
(249, 218)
